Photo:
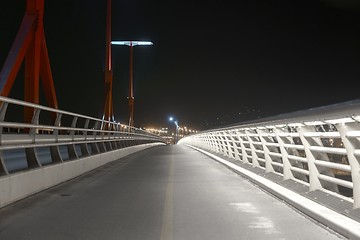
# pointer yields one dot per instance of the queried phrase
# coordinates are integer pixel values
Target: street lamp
(177, 128)
(131, 88)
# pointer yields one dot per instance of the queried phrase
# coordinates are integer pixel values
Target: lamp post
(176, 130)
(131, 84)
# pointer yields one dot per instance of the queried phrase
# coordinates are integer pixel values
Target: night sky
(213, 63)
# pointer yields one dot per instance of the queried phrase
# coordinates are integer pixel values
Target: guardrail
(56, 136)
(317, 147)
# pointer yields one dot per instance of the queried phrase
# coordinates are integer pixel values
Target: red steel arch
(30, 44)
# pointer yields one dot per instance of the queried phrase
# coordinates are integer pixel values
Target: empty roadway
(162, 193)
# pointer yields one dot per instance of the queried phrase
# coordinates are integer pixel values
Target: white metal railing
(54, 136)
(318, 147)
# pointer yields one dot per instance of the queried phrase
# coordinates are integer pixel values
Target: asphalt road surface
(163, 193)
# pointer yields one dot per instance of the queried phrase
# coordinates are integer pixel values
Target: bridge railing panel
(55, 136)
(319, 147)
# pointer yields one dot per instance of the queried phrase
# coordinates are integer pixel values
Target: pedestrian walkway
(170, 192)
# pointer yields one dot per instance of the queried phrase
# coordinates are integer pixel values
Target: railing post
(3, 168)
(254, 157)
(83, 146)
(114, 136)
(54, 150)
(268, 160)
(209, 144)
(101, 145)
(284, 154)
(31, 155)
(94, 146)
(71, 147)
(350, 145)
(311, 156)
(234, 140)
(226, 144)
(218, 142)
(244, 155)
(108, 135)
(314, 181)
(230, 144)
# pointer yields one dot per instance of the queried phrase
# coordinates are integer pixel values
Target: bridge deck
(163, 193)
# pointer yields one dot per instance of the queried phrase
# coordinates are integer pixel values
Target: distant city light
(167, 134)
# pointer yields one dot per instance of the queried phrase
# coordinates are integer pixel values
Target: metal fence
(54, 136)
(317, 147)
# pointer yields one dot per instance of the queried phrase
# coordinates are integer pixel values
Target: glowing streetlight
(171, 119)
(132, 43)
(131, 88)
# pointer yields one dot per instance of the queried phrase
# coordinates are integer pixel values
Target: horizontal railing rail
(55, 136)
(319, 147)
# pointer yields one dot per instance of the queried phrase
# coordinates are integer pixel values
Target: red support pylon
(108, 112)
(30, 44)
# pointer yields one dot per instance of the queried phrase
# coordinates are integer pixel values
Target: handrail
(318, 147)
(93, 136)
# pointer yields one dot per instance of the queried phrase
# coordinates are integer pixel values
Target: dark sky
(212, 63)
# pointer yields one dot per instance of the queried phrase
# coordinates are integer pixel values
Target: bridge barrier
(318, 148)
(57, 146)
